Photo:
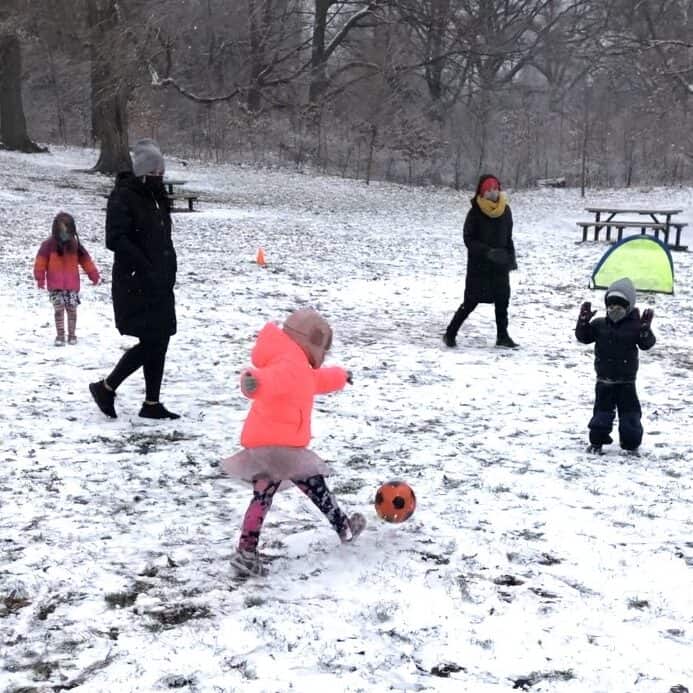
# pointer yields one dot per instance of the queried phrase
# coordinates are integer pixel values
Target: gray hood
(623, 288)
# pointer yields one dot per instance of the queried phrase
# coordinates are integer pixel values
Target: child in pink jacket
(287, 374)
(57, 267)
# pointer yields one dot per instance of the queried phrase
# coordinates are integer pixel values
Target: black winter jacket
(138, 231)
(487, 281)
(616, 345)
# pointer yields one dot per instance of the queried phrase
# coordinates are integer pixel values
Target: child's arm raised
(330, 379)
(646, 338)
(583, 330)
(266, 382)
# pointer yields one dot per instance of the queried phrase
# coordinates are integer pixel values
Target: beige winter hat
(311, 332)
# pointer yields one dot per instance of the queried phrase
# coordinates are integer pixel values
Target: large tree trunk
(12, 121)
(109, 90)
(318, 58)
(111, 131)
(256, 27)
(59, 105)
(440, 10)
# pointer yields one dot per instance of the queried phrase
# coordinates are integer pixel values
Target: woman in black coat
(138, 231)
(488, 235)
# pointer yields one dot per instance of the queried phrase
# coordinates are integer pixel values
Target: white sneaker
(247, 564)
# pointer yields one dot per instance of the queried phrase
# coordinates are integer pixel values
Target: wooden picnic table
(659, 222)
(170, 182)
(653, 213)
(173, 196)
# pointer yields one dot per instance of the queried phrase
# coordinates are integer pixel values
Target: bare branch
(348, 25)
(171, 82)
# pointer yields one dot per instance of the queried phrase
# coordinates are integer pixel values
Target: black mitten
(499, 256)
(586, 312)
(646, 319)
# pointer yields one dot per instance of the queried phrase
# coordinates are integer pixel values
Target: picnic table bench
(190, 198)
(551, 182)
(659, 222)
(173, 196)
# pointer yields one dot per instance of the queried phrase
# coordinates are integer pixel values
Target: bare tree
(656, 35)
(13, 129)
(273, 58)
(12, 119)
(110, 88)
(324, 45)
(431, 90)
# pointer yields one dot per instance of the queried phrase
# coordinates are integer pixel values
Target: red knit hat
(488, 183)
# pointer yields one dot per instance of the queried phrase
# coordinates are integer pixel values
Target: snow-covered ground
(528, 564)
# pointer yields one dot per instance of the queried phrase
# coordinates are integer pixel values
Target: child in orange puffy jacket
(287, 374)
(57, 267)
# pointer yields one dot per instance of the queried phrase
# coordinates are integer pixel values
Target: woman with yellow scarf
(488, 235)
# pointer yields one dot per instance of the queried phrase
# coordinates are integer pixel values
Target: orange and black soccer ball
(395, 501)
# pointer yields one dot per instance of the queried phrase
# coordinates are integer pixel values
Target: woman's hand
(499, 256)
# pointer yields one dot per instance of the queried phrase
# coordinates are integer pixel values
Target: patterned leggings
(263, 493)
(59, 312)
(64, 302)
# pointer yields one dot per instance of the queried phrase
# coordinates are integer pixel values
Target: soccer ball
(395, 501)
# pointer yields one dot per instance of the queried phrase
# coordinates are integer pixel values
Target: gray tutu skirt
(274, 463)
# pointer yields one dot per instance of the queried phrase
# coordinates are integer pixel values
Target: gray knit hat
(146, 157)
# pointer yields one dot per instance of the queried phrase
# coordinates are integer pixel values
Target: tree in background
(13, 129)
(421, 90)
(110, 85)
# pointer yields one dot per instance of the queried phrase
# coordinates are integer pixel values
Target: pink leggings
(263, 493)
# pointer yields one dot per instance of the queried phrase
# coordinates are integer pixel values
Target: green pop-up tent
(645, 260)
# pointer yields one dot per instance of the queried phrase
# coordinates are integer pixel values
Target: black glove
(499, 256)
(586, 312)
(350, 377)
(646, 319)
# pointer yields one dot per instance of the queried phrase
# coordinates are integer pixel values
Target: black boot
(104, 398)
(157, 411)
(453, 328)
(504, 340)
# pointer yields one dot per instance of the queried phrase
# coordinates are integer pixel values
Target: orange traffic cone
(260, 259)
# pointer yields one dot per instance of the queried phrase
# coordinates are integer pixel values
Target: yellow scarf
(490, 208)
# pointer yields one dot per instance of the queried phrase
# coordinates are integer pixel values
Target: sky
(528, 564)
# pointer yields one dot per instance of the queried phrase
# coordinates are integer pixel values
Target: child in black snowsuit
(616, 338)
